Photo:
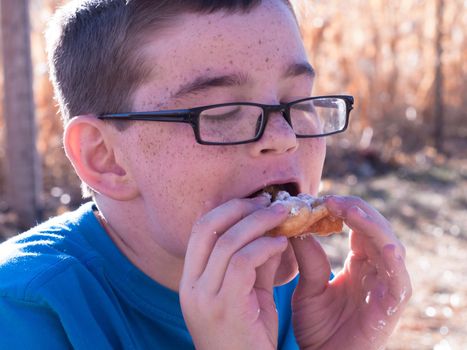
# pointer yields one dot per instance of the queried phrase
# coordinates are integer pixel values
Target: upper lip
(292, 181)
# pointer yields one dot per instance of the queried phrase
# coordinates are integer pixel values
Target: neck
(145, 253)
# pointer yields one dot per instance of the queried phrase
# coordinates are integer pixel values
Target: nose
(278, 137)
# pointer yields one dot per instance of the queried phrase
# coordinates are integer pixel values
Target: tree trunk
(22, 161)
(438, 132)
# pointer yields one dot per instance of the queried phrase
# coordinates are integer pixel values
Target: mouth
(273, 189)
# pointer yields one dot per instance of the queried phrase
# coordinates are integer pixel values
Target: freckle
(260, 42)
(267, 59)
(231, 62)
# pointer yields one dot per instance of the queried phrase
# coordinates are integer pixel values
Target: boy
(172, 253)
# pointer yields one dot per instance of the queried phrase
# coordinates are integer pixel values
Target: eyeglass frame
(191, 116)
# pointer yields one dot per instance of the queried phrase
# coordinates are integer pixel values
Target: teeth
(282, 196)
(273, 190)
(267, 195)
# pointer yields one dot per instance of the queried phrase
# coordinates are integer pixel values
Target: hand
(226, 291)
(360, 307)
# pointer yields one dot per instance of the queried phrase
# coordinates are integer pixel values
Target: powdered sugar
(285, 198)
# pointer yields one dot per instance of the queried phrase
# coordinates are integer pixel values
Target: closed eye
(218, 114)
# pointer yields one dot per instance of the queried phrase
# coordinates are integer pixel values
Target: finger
(235, 238)
(386, 294)
(241, 273)
(264, 285)
(398, 280)
(364, 220)
(339, 205)
(207, 230)
(376, 324)
(369, 235)
(313, 265)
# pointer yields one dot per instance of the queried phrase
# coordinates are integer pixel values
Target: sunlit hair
(94, 54)
(93, 47)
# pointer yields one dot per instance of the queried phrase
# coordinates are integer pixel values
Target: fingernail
(263, 200)
(336, 205)
(282, 239)
(397, 256)
(279, 208)
(391, 252)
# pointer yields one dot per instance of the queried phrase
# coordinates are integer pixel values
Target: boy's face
(181, 180)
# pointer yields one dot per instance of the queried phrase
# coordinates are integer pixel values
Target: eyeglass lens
(230, 123)
(237, 123)
(318, 116)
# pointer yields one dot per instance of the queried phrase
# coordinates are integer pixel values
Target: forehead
(256, 46)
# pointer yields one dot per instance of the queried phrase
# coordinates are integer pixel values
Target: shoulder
(34, 258)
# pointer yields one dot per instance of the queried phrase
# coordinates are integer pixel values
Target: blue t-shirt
(64, 284)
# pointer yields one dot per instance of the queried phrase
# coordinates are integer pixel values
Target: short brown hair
(94, 59)
(93, 47)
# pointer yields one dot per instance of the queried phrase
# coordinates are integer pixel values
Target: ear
(90, 146)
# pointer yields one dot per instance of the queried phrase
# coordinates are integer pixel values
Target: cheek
(313, 153)
(175, 171)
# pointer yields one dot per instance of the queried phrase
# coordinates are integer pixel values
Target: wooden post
(438, 131)
(22, 160)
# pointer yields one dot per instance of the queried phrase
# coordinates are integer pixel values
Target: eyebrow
(237, 79)
(204, 83)
(302, 68)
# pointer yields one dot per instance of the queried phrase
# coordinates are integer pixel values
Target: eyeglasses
(244, 122)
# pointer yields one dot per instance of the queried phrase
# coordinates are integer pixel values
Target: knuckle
(199, 224)
(356, 200)
(259, 215)
(194, 297)
(354, 210)
(242, 266)
(225, 242)
(240, 261)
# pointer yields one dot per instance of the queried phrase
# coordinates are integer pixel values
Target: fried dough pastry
(307, 215)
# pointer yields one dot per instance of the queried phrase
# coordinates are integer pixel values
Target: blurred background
(406, 151)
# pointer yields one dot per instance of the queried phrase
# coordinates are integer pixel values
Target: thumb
(313, 265)
(265, 274)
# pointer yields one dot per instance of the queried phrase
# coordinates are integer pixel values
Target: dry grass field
(406, 64)
(427, 206)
